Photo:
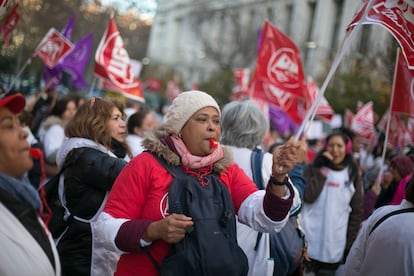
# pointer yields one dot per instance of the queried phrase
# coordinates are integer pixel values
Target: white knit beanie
(184, 106)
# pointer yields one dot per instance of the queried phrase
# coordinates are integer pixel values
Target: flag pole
(28, 61)
(92, 86)
(310, 115)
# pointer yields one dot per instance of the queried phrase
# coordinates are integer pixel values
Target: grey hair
(243, 125)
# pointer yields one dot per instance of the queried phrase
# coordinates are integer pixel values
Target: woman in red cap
(27, 246)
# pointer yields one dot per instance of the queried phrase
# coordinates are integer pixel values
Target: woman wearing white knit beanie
(139, 220)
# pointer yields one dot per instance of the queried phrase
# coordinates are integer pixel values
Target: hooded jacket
(139, 197)
(87, 180)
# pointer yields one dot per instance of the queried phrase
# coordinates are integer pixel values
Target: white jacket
(389, 250)
(20, 253)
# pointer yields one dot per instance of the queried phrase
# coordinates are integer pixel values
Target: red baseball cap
(15, 102)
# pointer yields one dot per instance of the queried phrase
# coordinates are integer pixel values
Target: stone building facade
(197, 37)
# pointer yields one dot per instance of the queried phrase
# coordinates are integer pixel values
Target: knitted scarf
(193, 161)
(21, 190)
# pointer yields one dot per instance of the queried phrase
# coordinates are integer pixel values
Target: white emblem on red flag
(114, 66)
(396, 16)
(279, 63)
(53, 48)
(363, 123)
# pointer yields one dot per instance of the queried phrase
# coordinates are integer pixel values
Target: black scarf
(118, 148)
(322, 161)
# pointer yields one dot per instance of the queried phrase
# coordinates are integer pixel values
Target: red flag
(396, 16)
(9, 24)
(403, 87)
(240, 90)
(404, 136)
(292, 106)
(112, 64)
(279, 63)
(410, 129)
(53, 48)
(363, 123)
(323, 111)
(399, 134)
(53, 77)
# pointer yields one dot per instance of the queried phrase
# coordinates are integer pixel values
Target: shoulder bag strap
(396, 212)
(256, 160)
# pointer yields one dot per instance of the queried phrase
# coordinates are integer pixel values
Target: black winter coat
(88, 177)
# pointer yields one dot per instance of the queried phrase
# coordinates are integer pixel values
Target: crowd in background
(88, 142)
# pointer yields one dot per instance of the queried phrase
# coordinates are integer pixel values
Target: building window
(269, 14)
(364, 41)
(309, 43)
(289, 19)
(339, 9)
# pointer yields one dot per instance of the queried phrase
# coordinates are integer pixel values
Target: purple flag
(67, 30)
(281, 121)
(75, 62)
(53, 77)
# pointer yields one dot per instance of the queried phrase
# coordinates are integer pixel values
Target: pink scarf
(193, 161)
(399, 194)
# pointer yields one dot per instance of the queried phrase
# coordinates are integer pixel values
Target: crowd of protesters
(113, 188)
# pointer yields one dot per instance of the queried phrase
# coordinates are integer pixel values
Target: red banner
(396, 16)
(363, 123)
(403, 87)
(240, 90)
(53, 48)
(292, 106)
(324, 110)
(113, 65)
(279, 63)
(9, 24)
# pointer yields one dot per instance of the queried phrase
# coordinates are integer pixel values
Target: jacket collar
(152, 142)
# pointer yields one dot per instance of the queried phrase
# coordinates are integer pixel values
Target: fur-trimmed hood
(152, 142)
(53, 120)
